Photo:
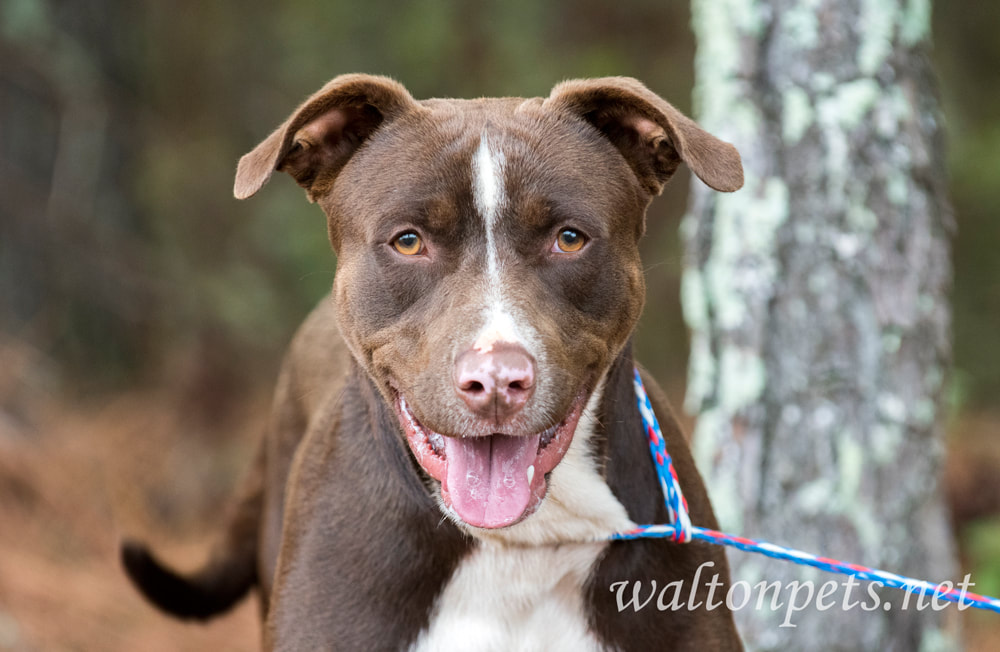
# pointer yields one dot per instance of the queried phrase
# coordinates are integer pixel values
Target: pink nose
(496, 384)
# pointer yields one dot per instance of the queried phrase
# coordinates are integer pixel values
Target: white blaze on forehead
(489, 192)
(487, 168)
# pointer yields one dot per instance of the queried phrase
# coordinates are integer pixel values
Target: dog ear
(652, 135)
(317, 140)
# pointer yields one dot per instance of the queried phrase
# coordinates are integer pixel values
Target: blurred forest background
(143, 311)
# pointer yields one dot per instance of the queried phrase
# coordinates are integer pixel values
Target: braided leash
(681, 530)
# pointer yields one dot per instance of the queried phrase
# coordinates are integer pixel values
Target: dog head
(488, 270)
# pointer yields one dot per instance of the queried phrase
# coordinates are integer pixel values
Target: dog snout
(495, 384)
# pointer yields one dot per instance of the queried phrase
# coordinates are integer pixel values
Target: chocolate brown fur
(350, 547)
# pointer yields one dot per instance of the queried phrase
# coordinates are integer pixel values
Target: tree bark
(817, 297)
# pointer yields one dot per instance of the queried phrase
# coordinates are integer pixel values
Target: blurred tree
(70, 245)
(967, 58)
(124, 258)
(818, 300)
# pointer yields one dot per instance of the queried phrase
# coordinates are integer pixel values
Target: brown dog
(456, 425)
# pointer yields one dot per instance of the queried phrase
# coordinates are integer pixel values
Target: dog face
(488, 271)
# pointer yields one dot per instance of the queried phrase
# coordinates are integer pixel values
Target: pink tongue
(488, 477)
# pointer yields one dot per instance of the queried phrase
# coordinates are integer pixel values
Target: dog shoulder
(318, 357)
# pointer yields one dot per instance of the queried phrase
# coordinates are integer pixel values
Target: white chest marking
(503, 599)
(519, 591)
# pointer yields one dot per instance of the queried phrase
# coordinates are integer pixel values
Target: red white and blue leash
(681, 530)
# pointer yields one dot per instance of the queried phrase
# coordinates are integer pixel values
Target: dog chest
(515, 598)
(522, 588)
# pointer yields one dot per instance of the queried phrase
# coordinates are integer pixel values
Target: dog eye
(408, 244)
(569, 241)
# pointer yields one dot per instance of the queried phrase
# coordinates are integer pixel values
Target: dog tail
(227, 576)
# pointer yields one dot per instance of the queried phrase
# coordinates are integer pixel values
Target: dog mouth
(490, 481)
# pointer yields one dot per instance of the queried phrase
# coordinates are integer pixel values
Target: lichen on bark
(817, 300)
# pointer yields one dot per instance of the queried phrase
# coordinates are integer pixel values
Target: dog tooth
(531, 473)
(436, 441)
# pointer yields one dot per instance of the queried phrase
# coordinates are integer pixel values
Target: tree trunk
(817, 297)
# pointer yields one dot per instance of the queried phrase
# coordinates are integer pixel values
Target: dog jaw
(491, 481)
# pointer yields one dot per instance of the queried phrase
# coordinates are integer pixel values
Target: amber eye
(569, 241)
(408, 244)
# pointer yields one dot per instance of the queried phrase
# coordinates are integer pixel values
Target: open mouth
(490, 481)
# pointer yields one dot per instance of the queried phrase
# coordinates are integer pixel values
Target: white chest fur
(527, 599)
(521, 590)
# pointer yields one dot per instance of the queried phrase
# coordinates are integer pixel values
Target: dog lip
(435, 440)
(425, 444)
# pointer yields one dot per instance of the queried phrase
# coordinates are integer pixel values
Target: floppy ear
(652, 135)
(317, 140)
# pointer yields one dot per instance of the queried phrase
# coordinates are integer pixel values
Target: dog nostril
(473, 387)
(516, 385)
